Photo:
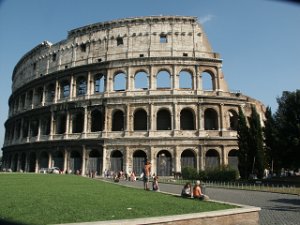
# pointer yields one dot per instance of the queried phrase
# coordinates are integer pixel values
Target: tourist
(187, 190)
(197, 192)
(147, 172)
(132, 176)
(155, 186)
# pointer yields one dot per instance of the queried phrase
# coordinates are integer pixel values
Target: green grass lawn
(51, 199)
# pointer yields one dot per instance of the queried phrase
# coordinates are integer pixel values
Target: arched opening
(141, 80)
(187, 120)
(212, 159)
(139, 160)
(120, 82)
(116, 161)
(81, 86)
(207, 81)
(32, 160)
(38, 96)
(96, 121)
(95, 161)
(15, 163)
(25, 127)
(65, 89)
(233, 159)
(185, 80)
(75, 162)
(23, 161)
(99, 83)
(46, 124)
(163, 120)
(77, 122)
(61, 123)
(233, 120)
(210, 119)
(50, 93)
(58, 160)
(188, 159)
(34, 127)
(140, 120)
(163, 80)
(118, 121)
(164, 163)
(44, 160)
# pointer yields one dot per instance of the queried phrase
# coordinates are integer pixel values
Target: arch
(163, 120)
(38, 96)
(34, 127)
(140, 120)
(46, 124)
(77, 122)
(50, 93)
(210, 119)
(58, 160)
(61, 123)
(139, 160)
(212, 159)
(95, 161)
(141, 80)
(15, 163)
(118, 121)
(99, 83)
(233, 159)
(44, 160)
(207, 81)
(25, 127)
(188, 159)
(96, 121)
(81, 86)
(163, 80)
(116, 161)
(65, 89)
(187, 121)
(23, 161)
(233, 120)
(75, 162)
(185, 80)
(120, 82)
(164, 163)
(32, 161)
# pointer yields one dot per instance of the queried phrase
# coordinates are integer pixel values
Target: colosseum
(114, 94)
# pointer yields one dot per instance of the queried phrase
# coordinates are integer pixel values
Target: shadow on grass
(7, 222)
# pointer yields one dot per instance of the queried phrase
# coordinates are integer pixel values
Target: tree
(270, 131)
(243, 143)
(288, 124)
(256, 154)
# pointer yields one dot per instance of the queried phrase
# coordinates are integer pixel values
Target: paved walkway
(276, 209)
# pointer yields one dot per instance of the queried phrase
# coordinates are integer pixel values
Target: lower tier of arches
(114, 157)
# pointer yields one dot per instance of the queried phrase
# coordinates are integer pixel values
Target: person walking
(147, 173)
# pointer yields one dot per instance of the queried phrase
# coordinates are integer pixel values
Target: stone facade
(116, 93)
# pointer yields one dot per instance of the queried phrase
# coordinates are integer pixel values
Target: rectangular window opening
(163, 38)
(185, 54)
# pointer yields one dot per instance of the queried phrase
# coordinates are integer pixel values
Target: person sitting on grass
(197, 192)
(187, 190)
(155, 186)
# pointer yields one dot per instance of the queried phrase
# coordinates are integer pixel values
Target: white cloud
(206, 18)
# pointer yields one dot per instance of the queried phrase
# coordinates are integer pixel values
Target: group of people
(193, 192)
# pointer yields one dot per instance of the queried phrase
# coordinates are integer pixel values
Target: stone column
(83, 160)
(52, 125)
(85, 122)
(104, 160)
(201, 158)
(56, 91)
(221, 116)
(72, 87)
(50, 163)
(89, 84)
(66, 166)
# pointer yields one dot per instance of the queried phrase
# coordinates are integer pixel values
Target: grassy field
(51, 199)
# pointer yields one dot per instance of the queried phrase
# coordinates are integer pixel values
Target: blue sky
(259, 40)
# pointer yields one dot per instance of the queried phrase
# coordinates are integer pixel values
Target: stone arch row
(92, 161)
(79, 85)
(83, 120)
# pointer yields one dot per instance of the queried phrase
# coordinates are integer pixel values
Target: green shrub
(222, 174)
(189, 173)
